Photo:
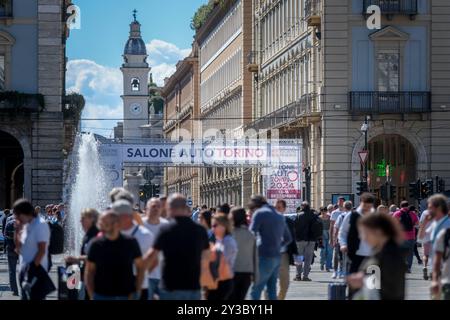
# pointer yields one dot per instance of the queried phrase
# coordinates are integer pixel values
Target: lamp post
(365, 130)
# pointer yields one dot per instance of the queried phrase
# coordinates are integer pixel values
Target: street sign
(189, 202)
(363, 156)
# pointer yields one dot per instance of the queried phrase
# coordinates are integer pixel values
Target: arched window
(135, 84)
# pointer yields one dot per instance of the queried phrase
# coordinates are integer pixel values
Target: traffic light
(441, 186)
(388, 192)
(426, 189)
(156, 190)
(393, 192)
(384, 192)
(361, 187)
(142, 195)
(414, 190)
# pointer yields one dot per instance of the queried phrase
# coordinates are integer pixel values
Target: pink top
(408, 235)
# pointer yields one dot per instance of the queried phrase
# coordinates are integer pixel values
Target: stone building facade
(226, 96)
(32, 63)
(181, 94)
(322, 71)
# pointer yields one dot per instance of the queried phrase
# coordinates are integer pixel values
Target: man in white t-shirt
(441, 268)
(337, 255)
(154, 222)
(32, 238)
(424, 237)
(143, 236)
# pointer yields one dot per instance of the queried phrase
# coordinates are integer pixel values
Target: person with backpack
(9, 228)
(308, 230)
(352, 245)
(32, 236)
(408, 220)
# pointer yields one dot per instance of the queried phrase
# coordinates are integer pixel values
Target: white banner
(285, 181)
(111, 159)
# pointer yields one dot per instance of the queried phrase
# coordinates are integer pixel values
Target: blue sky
(95, 50)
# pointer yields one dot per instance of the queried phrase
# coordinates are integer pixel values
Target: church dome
(135, 45)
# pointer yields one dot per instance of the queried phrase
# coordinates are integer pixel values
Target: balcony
(6, 9)
(393, 7)
(376, 102)
(16, 102)
(303, 107)
(312, 12)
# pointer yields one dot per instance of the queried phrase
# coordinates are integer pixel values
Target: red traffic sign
(363, 156)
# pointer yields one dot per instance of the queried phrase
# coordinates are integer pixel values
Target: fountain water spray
(89, 190)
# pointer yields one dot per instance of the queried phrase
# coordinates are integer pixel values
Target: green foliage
(202, 13)
(73, 107)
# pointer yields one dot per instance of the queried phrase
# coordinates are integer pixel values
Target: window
(2, 73)
(388, 64)
(135, 84)
(5, 8)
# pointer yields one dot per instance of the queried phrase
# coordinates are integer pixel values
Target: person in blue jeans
(326, 252)
(9, 227)
(272, 233)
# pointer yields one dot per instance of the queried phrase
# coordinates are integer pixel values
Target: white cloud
(163, 57)
(102, 86)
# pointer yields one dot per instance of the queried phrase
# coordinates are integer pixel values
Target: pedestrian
(111, 258)
(337, 254)
(439, 237)
(223, 209)
(393, 209)
(326, 251)
(288, 252)
(163, 200)
(306, 236)
(408, 221)
(32, 237)
(185, 248)
(350, 240)
(225, 250)
(424, 237)
(205, 219)
(6, 214)
(382, 209)
(153, 222)
(245, 265)
(89, 219)
(272, 233)
(416, 231)
(380, 231)
(9, 228)
(348, 207)
(131, 229)
(122, 194)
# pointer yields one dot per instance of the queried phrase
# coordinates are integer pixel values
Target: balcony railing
(5, 8)
(13, 102)
(392, 7)
(375, 102)
(286, 115)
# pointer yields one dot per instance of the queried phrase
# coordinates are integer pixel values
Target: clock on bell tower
(135, 70)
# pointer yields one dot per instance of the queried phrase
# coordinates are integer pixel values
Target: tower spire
(134, 15)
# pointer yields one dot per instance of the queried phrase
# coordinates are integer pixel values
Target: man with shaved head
(182, 242)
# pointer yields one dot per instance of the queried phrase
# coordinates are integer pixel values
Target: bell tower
(135, 70)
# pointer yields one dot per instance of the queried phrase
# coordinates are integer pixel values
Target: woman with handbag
(223, 256)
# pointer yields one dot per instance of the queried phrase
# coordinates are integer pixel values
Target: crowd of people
(169, 251)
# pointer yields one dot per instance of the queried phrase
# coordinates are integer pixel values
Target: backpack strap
(134, 231)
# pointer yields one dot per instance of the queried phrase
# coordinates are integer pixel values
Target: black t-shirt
(182, 242)
(114, 261)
